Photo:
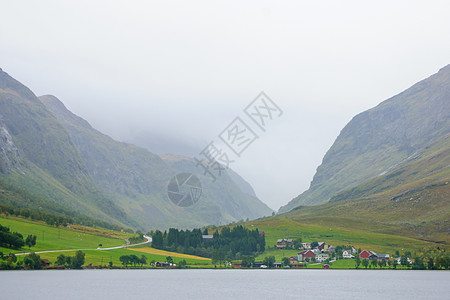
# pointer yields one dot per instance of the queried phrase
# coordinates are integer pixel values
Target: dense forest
(229, 243)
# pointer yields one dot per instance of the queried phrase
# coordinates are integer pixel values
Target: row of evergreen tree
(230, 243)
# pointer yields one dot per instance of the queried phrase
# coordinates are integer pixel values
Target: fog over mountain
(170, 76)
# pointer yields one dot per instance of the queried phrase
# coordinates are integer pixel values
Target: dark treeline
(226, 244)
(10, 239)
(133, 259)
(74, 262)
(15, 240)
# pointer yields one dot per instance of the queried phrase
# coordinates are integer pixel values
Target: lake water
(224, 284)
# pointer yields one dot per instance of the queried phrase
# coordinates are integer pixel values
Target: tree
(169, 259)
(357, 262)
(134, 260)
(218, 256)
(61, 260)
(78, 260)
(143, 260)
(382, 263)
(298, 243)
(158, 240)
(269, 261)
(32, 261)
(9, 239)
(430, 264)
(285, 261)
(30, 241)
(182, 264)
(12, 258)
(338, 250)
(404, 261)
(247, 261)
(69, 260)
(395, 264)
(314, 244)
(443, 262)
(365, 263)
(125, 260)
(373, 262)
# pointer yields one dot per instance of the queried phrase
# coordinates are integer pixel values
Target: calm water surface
(224, 284)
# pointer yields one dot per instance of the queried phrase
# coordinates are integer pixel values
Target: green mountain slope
(378, 140)
(39, 156)
(414, 198)
(407, 208)
(137, 179)
(53, 160)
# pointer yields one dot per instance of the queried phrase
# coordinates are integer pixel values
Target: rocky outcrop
(9, 154)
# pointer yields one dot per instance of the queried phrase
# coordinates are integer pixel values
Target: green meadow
(79, 237)
(52, 238)
(335, 232)
(102, 258)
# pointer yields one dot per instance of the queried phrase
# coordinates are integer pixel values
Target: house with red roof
(293, 260)
(365, 254)
(306, 255)
(322, 246)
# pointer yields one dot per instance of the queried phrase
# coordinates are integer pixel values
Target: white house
(399, 259)
(306, 246)
(322, 257)
(316, 251)
(347, 254)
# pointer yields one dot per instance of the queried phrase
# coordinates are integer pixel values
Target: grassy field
(80, 237)
(97, 258)
(343, 232)
(52, 238)
(279, 254)
(340, 232)
(153, 251)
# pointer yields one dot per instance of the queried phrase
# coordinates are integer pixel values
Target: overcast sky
(171, 75)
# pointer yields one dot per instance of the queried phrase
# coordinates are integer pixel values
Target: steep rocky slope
(376, 141)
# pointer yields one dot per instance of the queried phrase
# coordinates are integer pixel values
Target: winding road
(127, 245)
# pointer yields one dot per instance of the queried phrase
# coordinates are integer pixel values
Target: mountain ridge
(376, 140)
(137, 179)
(53, 160)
